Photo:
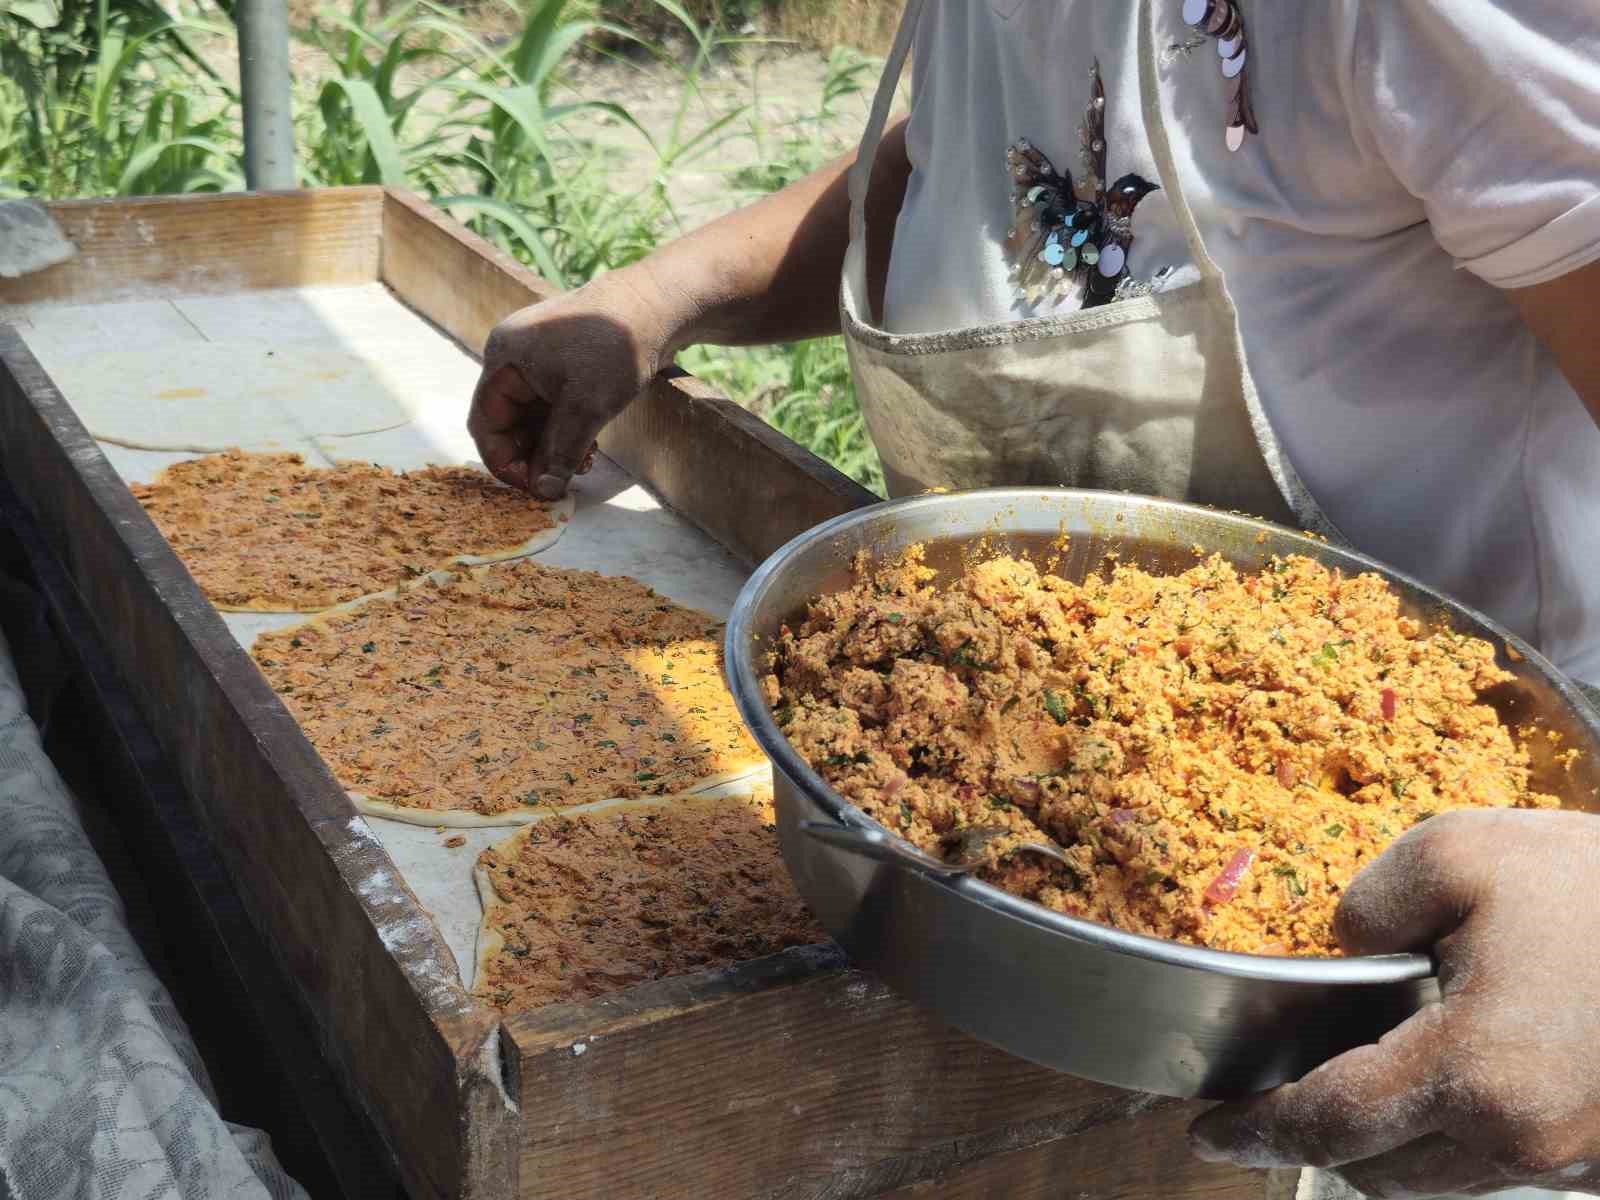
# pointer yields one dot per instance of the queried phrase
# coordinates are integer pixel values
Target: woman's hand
(1499, 1085)
(555, 373)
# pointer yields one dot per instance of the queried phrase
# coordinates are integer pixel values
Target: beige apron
(1147, 395)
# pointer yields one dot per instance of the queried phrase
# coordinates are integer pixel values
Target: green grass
(109, 97)
(804, 391)
(799, 147)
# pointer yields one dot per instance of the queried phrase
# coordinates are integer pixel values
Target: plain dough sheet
(617, 526)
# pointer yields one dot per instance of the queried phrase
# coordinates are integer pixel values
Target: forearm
(770, 272)
(1561, 314)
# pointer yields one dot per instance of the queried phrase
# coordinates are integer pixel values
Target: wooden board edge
(872, 1093)
(560, 1026)
(677, 438)
(439, 268)
(287, 830)
(160, 205)
(489, 1121)
(206, 244)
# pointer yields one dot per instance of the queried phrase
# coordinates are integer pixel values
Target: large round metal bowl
(1123, 1009)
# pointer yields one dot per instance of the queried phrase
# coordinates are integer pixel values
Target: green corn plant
(101, 97)
(484, 134)
(542, 189)
(363, 124)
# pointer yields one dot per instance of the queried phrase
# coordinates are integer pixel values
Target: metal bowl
(1120, 1008)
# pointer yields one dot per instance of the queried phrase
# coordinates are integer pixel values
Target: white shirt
(1415, 157)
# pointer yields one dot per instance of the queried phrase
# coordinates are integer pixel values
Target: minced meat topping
(266, 531)
(1217, 753)
(515, 686)
(585, 904)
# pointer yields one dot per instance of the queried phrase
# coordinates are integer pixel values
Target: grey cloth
(102, 1092)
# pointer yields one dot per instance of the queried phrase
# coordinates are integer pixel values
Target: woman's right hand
(555, 373)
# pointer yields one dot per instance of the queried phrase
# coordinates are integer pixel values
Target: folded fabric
(102, 1092)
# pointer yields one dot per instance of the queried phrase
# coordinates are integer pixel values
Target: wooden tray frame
(791, 1076)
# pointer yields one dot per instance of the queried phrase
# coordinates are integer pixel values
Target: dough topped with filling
(583, 904)
(270, 533)
(480, 698)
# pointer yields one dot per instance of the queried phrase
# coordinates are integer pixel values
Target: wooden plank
(679, 438)
(1141, 1158)
(790, 1077)
(460, 282)
(364, 957)
(161, 247)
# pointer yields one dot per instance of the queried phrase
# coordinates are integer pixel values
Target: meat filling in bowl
(1218, 753)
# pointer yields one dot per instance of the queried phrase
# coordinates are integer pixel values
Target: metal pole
(264, 92)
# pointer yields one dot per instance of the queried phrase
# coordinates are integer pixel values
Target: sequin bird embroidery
(1066, 232)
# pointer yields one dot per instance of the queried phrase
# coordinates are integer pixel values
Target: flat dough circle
(268, 533)
(209, 396)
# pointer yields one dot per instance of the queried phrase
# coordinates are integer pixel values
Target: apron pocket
(1141, 396)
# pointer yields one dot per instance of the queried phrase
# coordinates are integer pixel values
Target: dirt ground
(781, 85)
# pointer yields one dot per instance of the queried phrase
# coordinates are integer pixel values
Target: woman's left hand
(1496, 1087)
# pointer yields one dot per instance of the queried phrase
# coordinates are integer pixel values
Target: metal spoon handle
(879, 846)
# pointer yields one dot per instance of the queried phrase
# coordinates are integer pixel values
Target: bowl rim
(744, 682)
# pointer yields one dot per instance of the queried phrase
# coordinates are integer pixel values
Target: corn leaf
(374, 124)
(516, 223)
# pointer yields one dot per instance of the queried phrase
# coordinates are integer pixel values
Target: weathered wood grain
(361, 952)
(1139, 1158)
(684, 440)
(790, 1077)
(161, 247)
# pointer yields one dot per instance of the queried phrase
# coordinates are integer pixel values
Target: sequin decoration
(1066, 232)
(1222, 20)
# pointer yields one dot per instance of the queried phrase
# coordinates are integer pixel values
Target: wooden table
(791, 1076)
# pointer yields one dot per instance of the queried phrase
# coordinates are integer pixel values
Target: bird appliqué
(1068, 233)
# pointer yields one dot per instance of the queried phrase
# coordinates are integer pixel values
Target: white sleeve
(1488, 111)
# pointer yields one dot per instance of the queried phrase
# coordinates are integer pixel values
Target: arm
(556, 372)
(770, 272)
(1562, 314)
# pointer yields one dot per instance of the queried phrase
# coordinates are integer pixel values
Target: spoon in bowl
(970, 847)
